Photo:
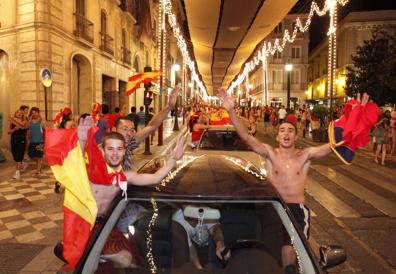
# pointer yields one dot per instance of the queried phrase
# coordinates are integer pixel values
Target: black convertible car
(211, 188)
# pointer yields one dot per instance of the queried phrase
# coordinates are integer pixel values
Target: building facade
(352, 31)
(275, 77)
(91, 48)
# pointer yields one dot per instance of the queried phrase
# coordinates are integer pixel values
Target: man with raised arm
(126, 126)
(287, 167)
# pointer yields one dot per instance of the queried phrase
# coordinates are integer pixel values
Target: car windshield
(222, 140)
(160, 234)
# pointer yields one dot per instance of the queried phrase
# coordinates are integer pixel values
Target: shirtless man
(287, 167)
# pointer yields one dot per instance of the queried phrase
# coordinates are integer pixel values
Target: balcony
(106, 43)
(84, 28)
(131, 7)
(126, 56)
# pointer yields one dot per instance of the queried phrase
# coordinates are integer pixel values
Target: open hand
(173, 97)
(178, 151)
(83, 126)
(228, 99)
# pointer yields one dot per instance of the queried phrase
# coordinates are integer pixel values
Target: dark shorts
(36, 150)
(18, 147)
(302, 215)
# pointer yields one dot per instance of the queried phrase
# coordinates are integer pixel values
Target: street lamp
(174, 68)
(288, 68)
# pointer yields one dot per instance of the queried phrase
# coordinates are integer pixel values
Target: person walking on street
(18, 130)
(36, 138)
(282, 114)
(134, 117)
(142, 117)
(381, 138)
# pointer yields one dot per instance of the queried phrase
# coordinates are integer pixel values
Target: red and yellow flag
(65, 157)
(135, 80)
(220, 117)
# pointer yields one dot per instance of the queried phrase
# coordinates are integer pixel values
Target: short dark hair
(23, 107)
(112, 135)
(36, 109)
(118, 120)
(287, 122)
(105, 109)
(141, 108)
(116, 109)
(133, 109)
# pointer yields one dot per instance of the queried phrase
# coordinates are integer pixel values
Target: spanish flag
(64, 155)
(220, 117)
(135, 80)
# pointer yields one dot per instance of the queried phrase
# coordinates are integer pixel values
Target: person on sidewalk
(142, 118)
(381, 138)
(134, 117)
(18, 130)
(287, 167)
(36, 138)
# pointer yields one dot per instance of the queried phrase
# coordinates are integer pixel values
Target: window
(278, 55)
(295, 77)
(124, 46)
(277, 76)
(296, 53)
(279, 28)
(80, 7)
(103, 21)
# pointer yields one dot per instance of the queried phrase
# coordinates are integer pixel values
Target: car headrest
(204, 212)
(162, 222)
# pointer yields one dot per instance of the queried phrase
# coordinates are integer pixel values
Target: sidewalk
(31, 214)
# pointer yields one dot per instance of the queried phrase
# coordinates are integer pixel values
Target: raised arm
(135, 178)
(157, 119)
(82, 130)
(256, 145)
(318, 151)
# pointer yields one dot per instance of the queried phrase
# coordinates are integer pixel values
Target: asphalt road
(353, 206)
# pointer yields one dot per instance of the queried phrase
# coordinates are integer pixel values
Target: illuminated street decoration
(181, 43)
(150, 257)
(269, 48)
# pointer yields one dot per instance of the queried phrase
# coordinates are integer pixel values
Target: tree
(374, 69)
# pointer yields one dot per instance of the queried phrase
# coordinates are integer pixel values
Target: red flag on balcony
(135, 80)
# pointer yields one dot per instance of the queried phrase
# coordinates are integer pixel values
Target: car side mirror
(331, 255)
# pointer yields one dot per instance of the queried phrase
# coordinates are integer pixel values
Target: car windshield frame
(90, 258)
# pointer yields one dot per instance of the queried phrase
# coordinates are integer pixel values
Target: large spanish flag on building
(65, 157)
(135, 80)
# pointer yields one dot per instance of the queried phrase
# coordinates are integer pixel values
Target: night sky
(320, 25)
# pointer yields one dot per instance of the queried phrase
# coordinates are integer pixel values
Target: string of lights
(269, 48)
(150, 257)
(181, 43)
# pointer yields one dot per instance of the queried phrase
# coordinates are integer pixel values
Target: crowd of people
(119, 134)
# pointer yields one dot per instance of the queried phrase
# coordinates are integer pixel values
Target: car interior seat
(161, 233)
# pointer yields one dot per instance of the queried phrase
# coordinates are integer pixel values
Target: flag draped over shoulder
(64, 155)
(135, 80)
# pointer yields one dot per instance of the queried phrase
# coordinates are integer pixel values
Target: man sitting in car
(200, 228)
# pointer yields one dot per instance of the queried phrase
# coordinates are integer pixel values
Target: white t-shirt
(282, 113)
(199, 234)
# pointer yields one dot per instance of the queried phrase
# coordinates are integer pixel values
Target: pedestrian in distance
(36, 138)
(134, 117)
(18, 130)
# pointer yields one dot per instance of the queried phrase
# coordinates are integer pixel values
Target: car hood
(209, 175)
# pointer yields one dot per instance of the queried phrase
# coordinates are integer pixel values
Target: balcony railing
(130, 6)
(106, 43)
(126, 56)
(84, 28)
